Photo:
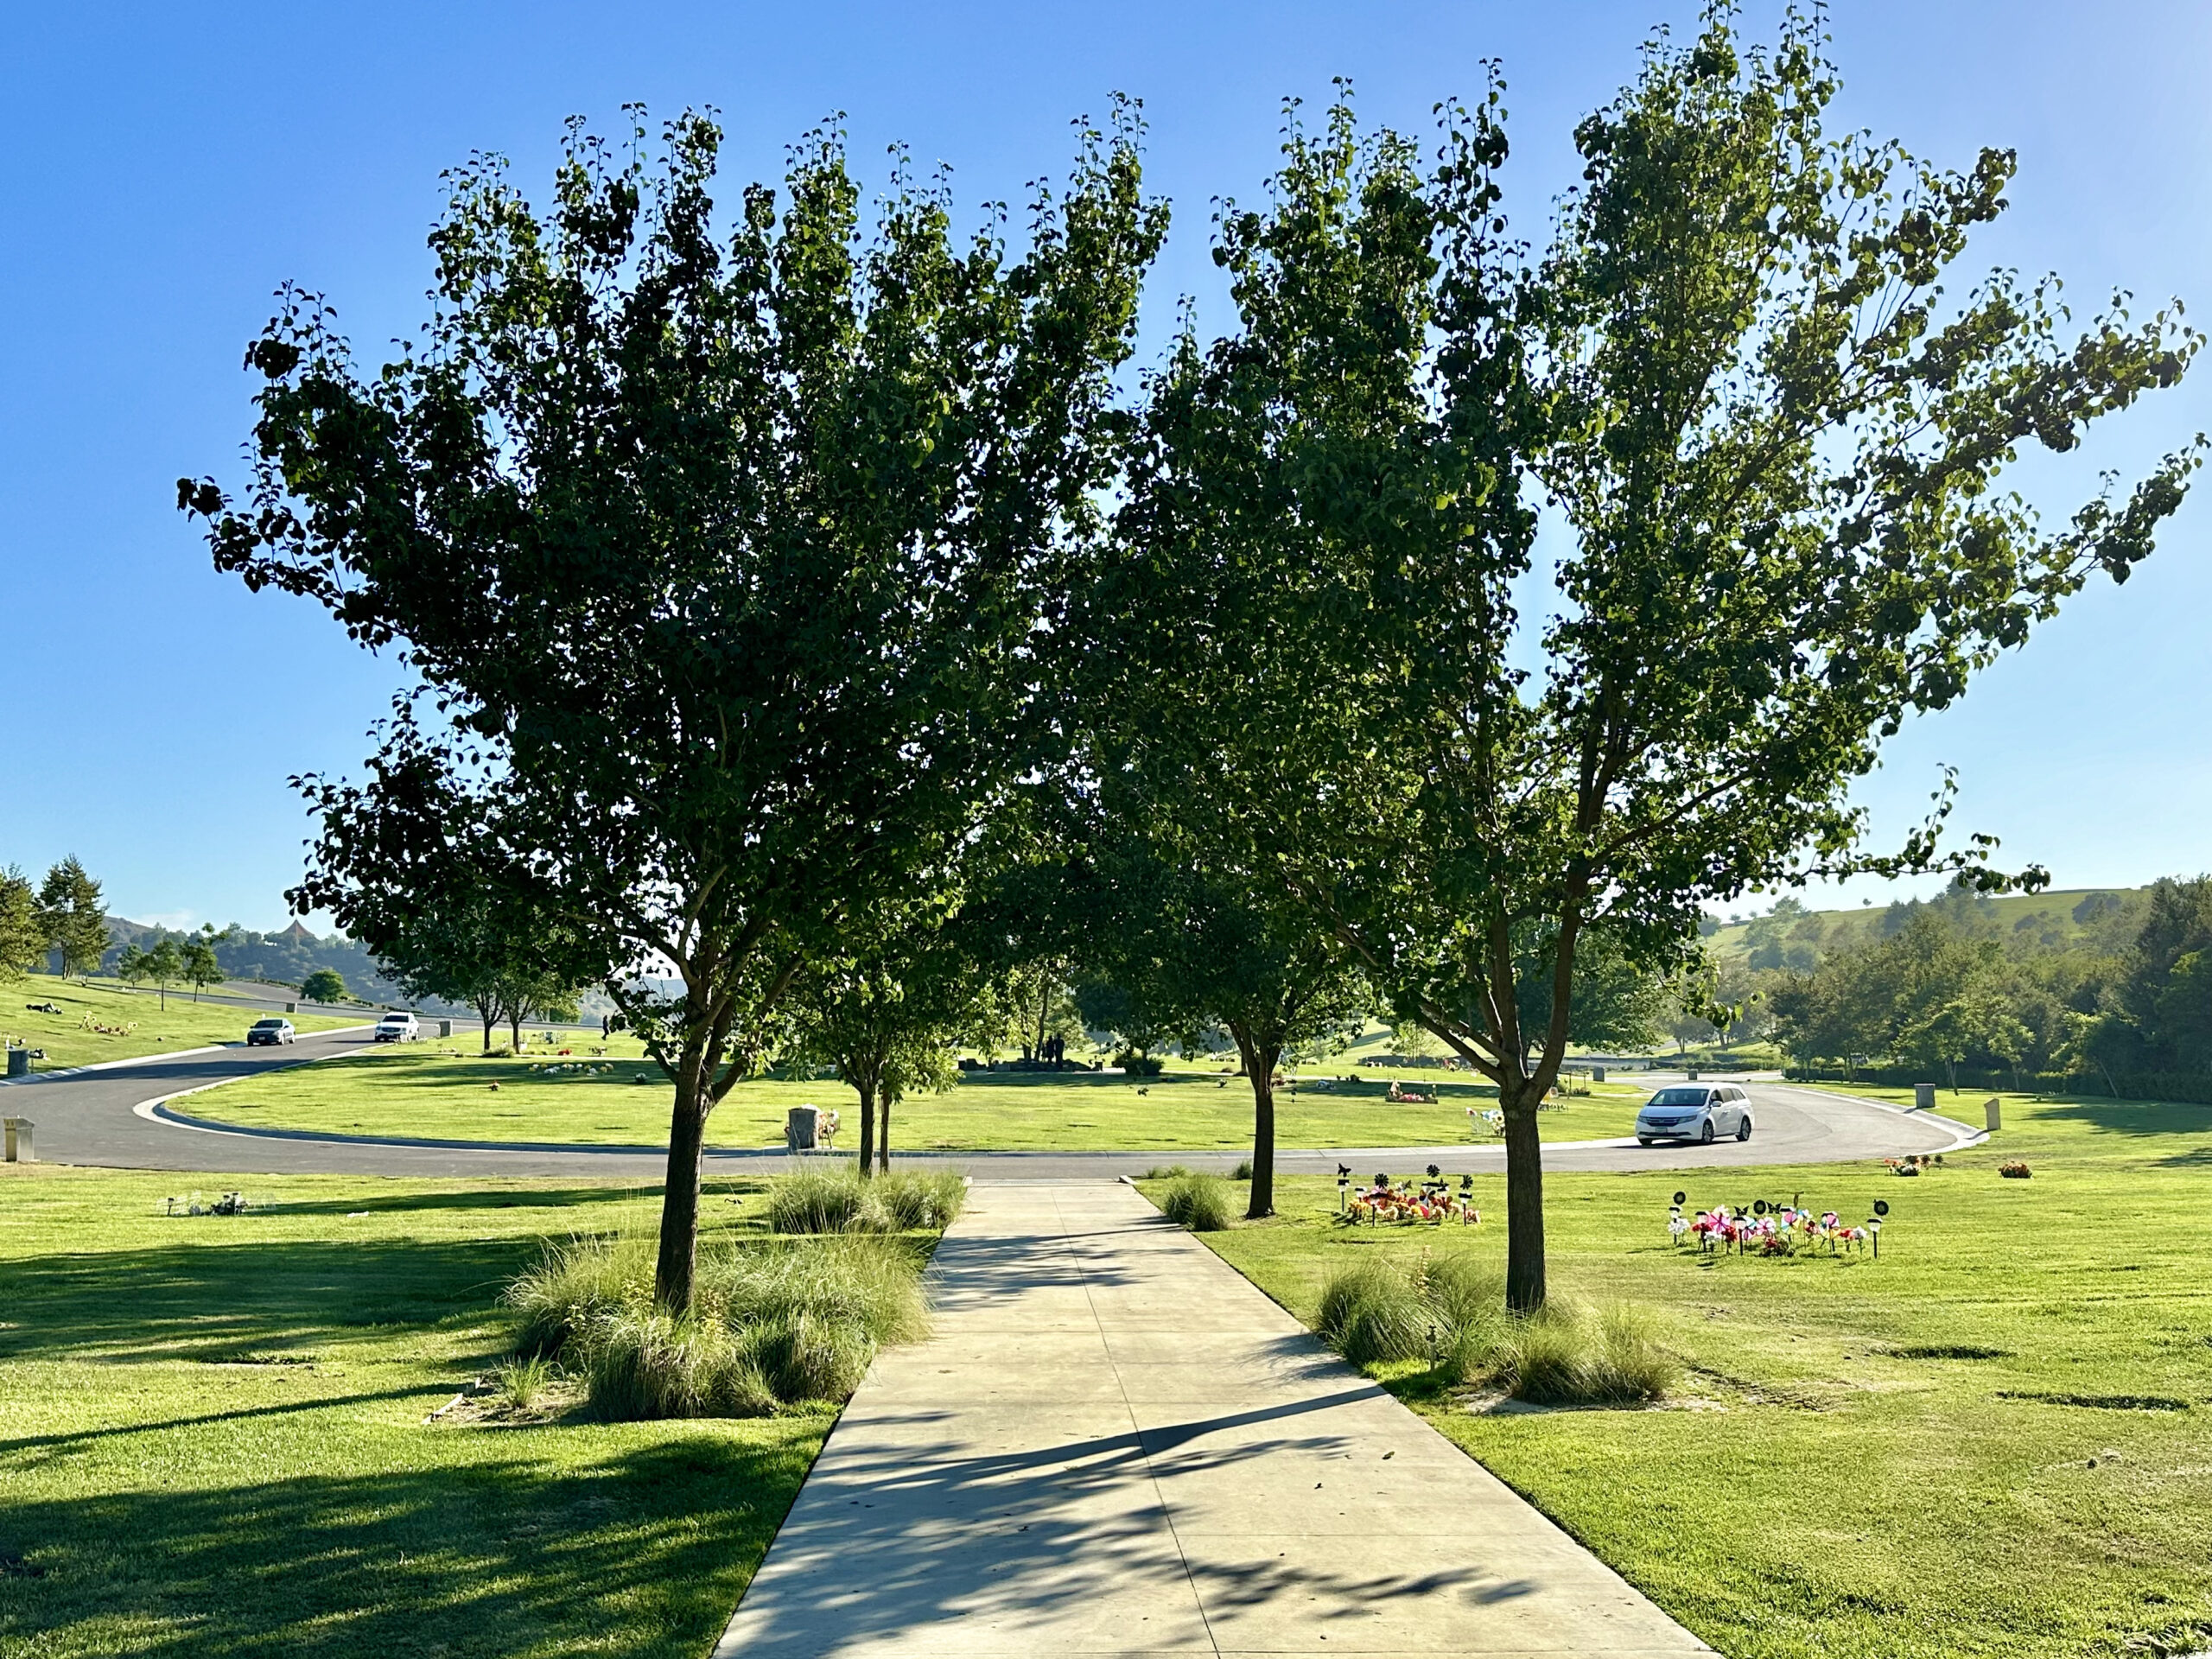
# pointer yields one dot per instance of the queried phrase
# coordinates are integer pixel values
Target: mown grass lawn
(1996, 1440)
(442, 1091)
(137, 1023)
(212, 1434)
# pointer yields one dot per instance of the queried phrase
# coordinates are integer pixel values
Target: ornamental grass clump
(1450, 1311)
(816, 1201)
(918, 1201)
(1373, 1313)
(575, 1284)
(1201, 1203)
(774, 1323)
(640, 1365)
(1564, 1356)
(911, 1201)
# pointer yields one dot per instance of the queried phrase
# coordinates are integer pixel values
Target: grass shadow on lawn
(565, 1197)
(639, 1552)
(2127, 1117)
(189, 1302)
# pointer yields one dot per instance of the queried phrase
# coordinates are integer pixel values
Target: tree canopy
(1773, 443)
(719, 545)
(23, 933)
(73, 913)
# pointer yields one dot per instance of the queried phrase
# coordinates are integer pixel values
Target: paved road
(103, 1117)
(1112, 1443)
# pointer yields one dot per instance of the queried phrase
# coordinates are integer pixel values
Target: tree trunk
(489, 1013)
(1524, 1199)
(883, 1140)
(1259, 1065)
(867, 1127)
(679, 1210)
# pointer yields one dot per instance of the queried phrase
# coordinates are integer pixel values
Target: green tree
(130, 965)
(164, 965)
(724, 546)
(452, 914)
(198, 964)
(74, 916)
(1776, 452)
(888, 1016)
(324, 985)
(2164, 991)
(23, 933)
(1192, 948)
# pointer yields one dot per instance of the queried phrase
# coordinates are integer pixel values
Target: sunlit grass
(1968, 1446)
(213, 1438)
(444, 1090)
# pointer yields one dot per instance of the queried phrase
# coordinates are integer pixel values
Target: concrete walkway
(1113, 1444)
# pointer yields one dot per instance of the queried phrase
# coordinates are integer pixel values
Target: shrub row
(1450, 1310)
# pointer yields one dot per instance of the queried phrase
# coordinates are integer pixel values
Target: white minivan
(398, 1028)
(1694, 1111)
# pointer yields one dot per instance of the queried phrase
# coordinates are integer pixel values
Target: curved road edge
(124, 1116)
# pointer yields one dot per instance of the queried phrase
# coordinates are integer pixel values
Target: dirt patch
(483, 1405)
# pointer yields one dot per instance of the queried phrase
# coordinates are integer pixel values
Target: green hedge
(2194, 1088)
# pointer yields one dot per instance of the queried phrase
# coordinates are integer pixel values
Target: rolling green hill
(1789, 937)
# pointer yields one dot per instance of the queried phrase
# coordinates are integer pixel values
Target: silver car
(1694, 1111)
(267, 1033)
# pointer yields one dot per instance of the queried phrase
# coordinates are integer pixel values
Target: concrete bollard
(1923, 1096)
(1991, 1111)
(16, 1131)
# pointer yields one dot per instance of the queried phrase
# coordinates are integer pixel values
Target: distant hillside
(284, 958)
(1789, 937)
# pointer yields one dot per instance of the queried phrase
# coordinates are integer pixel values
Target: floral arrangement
(1431, 1201)
(2015, 1171)
(1917, 1164)
(1783, 1230)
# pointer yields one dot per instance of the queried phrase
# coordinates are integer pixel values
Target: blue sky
(170, 166)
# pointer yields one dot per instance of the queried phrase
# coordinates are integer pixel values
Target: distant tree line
(60, 924)
(1949, 986)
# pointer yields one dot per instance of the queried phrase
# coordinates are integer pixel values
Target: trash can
(19, 1062)
(1990, 1108)
(291, 1007)
(445, 1027)
(800, 1127)
(1923, 1096)
(1693, 1074)
(1597, 1074)
(16, 1131)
